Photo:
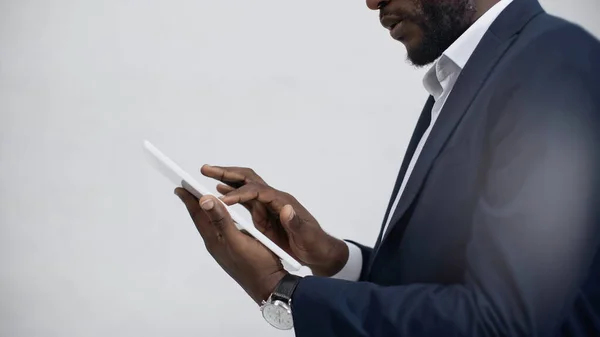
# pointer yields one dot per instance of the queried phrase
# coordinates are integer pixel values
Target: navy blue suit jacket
(498, 230)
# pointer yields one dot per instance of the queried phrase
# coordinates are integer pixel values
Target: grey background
(312, 94)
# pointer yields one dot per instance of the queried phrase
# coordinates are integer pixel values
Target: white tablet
(182, 179)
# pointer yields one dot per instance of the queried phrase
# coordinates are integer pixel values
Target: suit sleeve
(534, 234)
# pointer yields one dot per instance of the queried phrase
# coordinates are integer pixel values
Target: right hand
(281, 218)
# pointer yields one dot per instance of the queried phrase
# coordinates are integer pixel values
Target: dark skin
(281, 218)
(427, 28)
(276, 214)
(242, 257)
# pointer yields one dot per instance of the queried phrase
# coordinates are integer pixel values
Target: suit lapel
(420, 128)
(487, 54)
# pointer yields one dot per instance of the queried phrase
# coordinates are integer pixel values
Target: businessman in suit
(493, 227)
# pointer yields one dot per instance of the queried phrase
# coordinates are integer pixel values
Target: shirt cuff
(353, 267)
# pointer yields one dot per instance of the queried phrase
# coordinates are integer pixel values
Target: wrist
(334, 259)
(268, 285)
(277, 309)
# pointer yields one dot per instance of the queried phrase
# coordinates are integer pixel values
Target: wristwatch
(277, 309)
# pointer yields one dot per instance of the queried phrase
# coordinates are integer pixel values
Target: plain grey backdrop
(314, 95)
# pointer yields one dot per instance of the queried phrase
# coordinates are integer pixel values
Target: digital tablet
(180, 178)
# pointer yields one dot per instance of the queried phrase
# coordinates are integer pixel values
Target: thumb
(290, 220)
(219, 216)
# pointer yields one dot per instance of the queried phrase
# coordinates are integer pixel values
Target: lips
(394, 24)
(389, 21)
(396, 31)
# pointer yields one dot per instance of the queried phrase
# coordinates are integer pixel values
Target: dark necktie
(420, 128)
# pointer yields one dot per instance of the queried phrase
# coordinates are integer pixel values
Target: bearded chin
(443, 22)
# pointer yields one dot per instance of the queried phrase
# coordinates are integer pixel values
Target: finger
(260, 216)
(226, 176)
(233, 176)
(224, 189)
(198, 216)
(291, 221)
(273, 199)
(258, 211)
(250, 174)
(219, 217)
(293, 225)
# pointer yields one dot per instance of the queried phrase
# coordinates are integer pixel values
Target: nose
(376, 4)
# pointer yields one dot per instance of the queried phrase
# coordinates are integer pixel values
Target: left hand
(254, 267)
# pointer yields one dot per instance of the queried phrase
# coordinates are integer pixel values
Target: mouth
(390, 21)
(394, 24)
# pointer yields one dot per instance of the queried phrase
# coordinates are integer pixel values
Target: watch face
(278, 315)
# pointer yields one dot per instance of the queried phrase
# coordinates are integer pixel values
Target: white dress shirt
(438, 81)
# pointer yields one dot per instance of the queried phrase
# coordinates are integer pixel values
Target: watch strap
(285, 288)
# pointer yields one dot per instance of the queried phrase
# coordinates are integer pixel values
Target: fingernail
(292, 214)
(208, 205)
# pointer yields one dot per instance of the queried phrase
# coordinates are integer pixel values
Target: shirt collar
(461, 50)
(436, 79)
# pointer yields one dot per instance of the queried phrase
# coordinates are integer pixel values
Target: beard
(442, 22)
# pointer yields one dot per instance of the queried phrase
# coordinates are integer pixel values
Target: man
(493, 228)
